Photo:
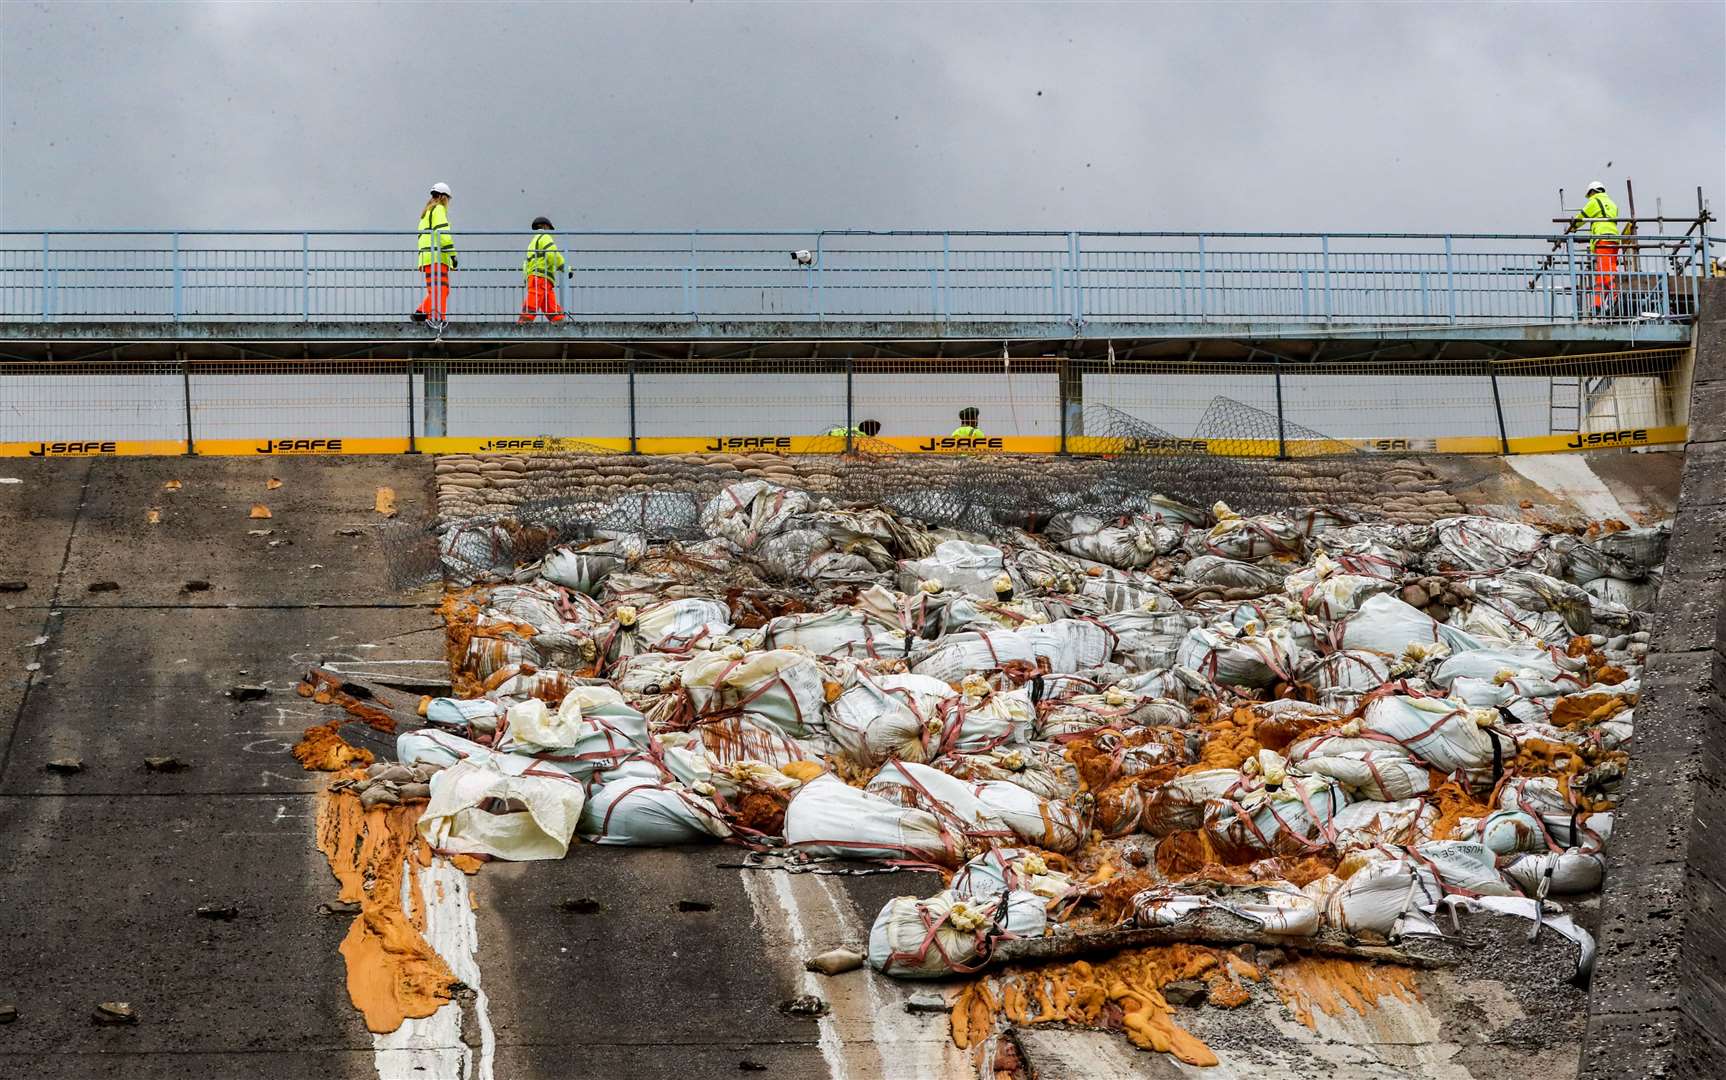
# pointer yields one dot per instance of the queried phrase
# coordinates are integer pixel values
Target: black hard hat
(543, 223)
(968, 414)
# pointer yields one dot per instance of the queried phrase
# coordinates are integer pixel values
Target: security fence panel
(572, 399)
(699, 398)
(1175, 395)
(924, 397)
(91, 401)
(274, 400)
(1413, 401)
(1600, 394)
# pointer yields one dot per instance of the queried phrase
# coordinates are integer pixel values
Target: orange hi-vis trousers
(541, 299)
(1605, 273)
(436, 304)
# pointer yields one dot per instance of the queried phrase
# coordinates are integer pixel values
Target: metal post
(946, 276)
(186, 396)
(1575, 286)
(630, 355)
(176, 277)
(1498, 407)
(413, 447)
(1450, 276)
(306, 288)
(1077, 287)
(1282, 434)
(47, 282)
(437, 398)
(689, 280)
(1324, 248)
(1062, 376)
(820, 279)
(1202, 283)
(850, 401)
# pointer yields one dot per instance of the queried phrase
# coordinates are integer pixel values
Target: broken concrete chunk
(805, 1007)
(340, 907)
(8, 1013)
(195, 586)
(114, 1012)
(926, 1002)
(222, 912)
(247, 692)
(1185, 992)
(65, 765)
(350, 532)
(104, 586)
(835, 962)
(164, 764)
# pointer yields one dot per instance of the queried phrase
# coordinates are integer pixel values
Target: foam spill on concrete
(432, 1047)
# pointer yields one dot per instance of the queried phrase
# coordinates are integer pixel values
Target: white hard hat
(440, 188)
(1595, 185)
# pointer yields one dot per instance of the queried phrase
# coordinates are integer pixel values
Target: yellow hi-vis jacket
(966, 431)
(435, 222)
(1600, 210)
(543, 258)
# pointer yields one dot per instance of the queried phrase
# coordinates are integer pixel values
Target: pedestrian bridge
(252, 342)
(969, 292)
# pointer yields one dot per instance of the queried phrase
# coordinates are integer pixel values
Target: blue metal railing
(1357, 279)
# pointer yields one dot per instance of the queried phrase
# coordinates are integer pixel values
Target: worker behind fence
(864, 429)
(437, 256)
(541, 267)
(968, 420)
(1600, 213)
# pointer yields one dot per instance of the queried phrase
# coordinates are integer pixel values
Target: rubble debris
(220, 912)
(163, 763)
(750, 1066)
(583, 905)
(8, 1012)
(260, 511)
(104, 586)
(805, 1007)
(114, 1012)
(1206, 747)
(248, 692)
(688, 906)
(927, 1002)
(834, 962)
(65, 765)
(14, 586)
(195, 585)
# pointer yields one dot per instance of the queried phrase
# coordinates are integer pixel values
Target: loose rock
(114, 1012)
(835, 962)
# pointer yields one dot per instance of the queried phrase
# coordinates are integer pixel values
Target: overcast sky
(1392, 117)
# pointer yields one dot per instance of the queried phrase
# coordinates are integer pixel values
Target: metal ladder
(1571, 404)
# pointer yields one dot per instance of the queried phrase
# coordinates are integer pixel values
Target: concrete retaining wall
(1658, 1006)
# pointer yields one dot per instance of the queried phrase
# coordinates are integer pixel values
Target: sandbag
(1252, 538)
(958, 655)
(889, 716)
(1446, 734)
(1290, 819)
(795, 554)
(676, 625)
(1232, 573)
(1384, 624)
(957, 565)
(749, 511)
(1038, 769)
(635, 811)
(1386, 775)
(1326, 591)
(838, 632)
(947, 934)
(592, 730)
(1564, 873)
(1051, 824)
(1277, 907)
(1148, 640)
(585, 567)
(1179, 805)
(830, 817)
(1251, 660)
(1642, 549)
(975, 721)
(1000, 870)
(1125, 543)
(1634, 595)
(477, 808)
(1070, 644)
(1369, 823)
(780, 686)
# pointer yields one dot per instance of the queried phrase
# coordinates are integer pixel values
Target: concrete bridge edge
(1658, 1001)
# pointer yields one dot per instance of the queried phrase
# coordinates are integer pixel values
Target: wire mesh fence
(880, 408)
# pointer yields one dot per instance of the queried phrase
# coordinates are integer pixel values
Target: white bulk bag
(1069, 644)
(947, 934)
(1252, 660)
(636, 811)
(830, 817)
(877, 718)
(1179, 805)
(780, 686)
(1386, 775)
(1384, 624)
(1442, 732)
(1149, 640)
(1047, 823)
(749, 511)
(838, 632)
(957, 565)
(1569, 872)
(958, 655)
(544, 807)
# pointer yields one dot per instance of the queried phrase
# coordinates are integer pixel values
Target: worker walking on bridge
(968, 419)
(541, 267)
(1600, 215)
(437, 256)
